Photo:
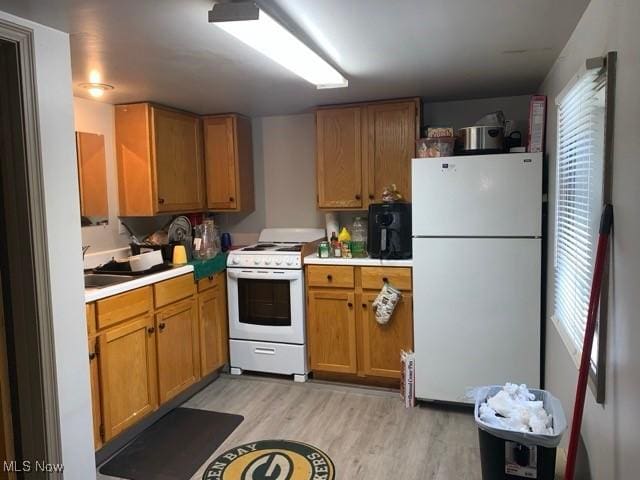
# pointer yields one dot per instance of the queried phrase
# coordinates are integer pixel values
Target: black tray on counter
(123, 268)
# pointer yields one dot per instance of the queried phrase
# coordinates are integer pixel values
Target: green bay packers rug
(271, 460)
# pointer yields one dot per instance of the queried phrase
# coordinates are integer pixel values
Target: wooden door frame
(35, 392)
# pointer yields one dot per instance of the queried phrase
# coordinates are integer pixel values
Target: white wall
(97, 117)
(464, 113)
(57, 143)
(288, 152)
(610, 432)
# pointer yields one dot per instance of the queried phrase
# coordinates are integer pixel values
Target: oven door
(266, 305)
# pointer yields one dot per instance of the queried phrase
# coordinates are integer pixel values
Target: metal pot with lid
(481, 139)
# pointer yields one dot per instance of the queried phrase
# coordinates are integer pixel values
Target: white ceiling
(166, 51)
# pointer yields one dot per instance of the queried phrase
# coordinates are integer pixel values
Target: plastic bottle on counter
(358, 238)
(345, 242)
(344, 236)
(335, 245)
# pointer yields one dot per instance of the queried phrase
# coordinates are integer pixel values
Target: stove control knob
(256, 261)
(278, 261)
(267, 261)
(289, 261)
(235, 260)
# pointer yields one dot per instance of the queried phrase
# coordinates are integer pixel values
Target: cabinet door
(382, 343)
(339, 157)
(178, 362)
(178, 161)
(92, 174)
(391, 133)
(214, 339)
(332, 331)
(220, 161)
(94, 376)
(128, 375)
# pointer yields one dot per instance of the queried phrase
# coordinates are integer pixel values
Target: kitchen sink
(94, 280)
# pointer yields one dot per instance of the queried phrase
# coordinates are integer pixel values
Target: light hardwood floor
(368, 433)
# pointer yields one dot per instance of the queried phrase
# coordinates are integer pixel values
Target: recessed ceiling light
(96, 90)
(261, 32)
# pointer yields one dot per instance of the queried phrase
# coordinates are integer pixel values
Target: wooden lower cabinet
(178, 349)
(141, 357)
(331, 323)
(94, 377)
(343, 335)
(128, 374)
(381, 344)
(214, 337)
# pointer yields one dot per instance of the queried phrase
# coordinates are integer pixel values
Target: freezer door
(476, 314)
(478, 196)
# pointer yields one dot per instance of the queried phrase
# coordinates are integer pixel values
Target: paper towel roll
(332, 224)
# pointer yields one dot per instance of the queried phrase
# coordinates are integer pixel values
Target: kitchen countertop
(313, 259)
(93, 294)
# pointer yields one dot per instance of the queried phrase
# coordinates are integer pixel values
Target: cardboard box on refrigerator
(537, 123)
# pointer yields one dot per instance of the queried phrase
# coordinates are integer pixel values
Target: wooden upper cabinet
(339, 157)
(362, 148)
(229, 163)
(178, 154)
(92, 174)
(392, 129)
(160, 166)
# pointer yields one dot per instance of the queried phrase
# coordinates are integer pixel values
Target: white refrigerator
(476, 272)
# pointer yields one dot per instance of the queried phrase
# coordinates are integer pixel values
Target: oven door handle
(264, 351)
(271, 275)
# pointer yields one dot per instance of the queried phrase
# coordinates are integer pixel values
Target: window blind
(579, 183)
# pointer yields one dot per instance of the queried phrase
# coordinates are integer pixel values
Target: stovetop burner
(276, 247)
(291, 248)
(260, 247)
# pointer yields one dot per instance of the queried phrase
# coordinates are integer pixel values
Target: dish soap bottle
(358, 238)
(345, 241)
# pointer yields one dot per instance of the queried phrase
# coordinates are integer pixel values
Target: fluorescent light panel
(271, 39)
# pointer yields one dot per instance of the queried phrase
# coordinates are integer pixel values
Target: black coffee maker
(389, 230)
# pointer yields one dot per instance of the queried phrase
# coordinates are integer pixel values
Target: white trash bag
(513, 412)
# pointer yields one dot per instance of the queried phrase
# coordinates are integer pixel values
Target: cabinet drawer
(173, 290)
(330, 276)
(374, 277)
(210, 282)
(112, 310)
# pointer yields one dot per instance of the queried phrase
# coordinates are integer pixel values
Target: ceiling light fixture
(96, 90)
(252, 26)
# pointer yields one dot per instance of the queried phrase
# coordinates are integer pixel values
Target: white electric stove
(265, 289)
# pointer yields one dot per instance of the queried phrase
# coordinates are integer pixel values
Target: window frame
(597, 376)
